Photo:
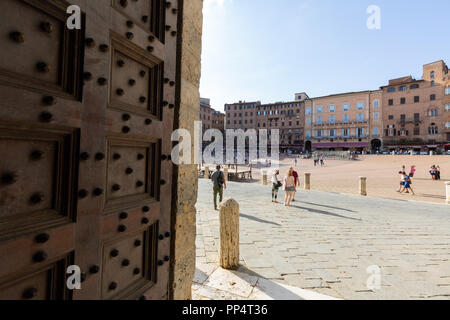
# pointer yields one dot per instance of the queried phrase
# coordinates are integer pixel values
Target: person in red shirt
(295, 175)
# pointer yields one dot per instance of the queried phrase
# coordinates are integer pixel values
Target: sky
(268, 50)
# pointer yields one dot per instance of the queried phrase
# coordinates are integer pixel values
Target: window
(345, 118)
(433, 83)
(447, 125)
(375, 115)
(391, 117)
(319, 120)
(389, 90)
(319, 133)
(447, 91)
(332, 108)
(447, 107)
(360, 105)
(391, 102)
(433, 113)
(376, 104)
(433, 129)
(308, 111)
(308, 120)
(432, 97)
(432, 74)
(414, 86)
(345, 107)
(319, 109)
(376, 132)
(332, 133)
(332, 119)
(417, 131)
(345, 132)
(403, 88)
(416, 99)
(308, 134)
(360, 117)
(402, 100)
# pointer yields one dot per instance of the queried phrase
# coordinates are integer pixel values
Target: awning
(340, 145)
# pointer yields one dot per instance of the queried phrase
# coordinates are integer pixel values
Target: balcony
(410, 120)
(340, 123)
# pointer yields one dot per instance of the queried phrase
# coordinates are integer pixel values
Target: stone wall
(187, 111)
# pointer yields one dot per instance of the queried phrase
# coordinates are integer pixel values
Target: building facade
(405, 114)
(206, 114)
(342, 122)
(414, 110)
(218, 120)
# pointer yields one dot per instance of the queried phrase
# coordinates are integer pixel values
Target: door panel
(85, 123)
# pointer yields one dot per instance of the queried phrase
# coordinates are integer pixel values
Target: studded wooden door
(85, 123)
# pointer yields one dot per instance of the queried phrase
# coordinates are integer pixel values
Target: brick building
(218, 120)
(405, 114)
(414, 110)
(206, 113)
(348, 121)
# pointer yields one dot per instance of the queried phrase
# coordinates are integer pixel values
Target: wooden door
(85, 123)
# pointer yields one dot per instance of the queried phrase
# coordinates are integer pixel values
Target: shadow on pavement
(322, 205)
(258, 220)
(268, 288)
(325, 213)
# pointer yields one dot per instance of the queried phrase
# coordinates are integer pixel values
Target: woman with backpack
(276, 184)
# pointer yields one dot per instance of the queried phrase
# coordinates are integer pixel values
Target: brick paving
(381, 172)
(326, 241)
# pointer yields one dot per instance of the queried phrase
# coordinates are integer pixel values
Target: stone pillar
(229, 234)
(447, 187)
(363, 186)
(307, 181)
(182, 243)
(431, 153)
(225, 172)
(264, 177)
(393, 153)
(206, 172)
(411, 152)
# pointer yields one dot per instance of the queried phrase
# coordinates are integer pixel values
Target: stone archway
(308, 146)
(375, 145)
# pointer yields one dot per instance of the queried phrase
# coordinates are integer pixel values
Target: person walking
(276, 184)
(412, 171)
(289, 188)
(438, 173)
(407, 185)
(322, 163)
(295, 175)
(402, 177)
(219, 183)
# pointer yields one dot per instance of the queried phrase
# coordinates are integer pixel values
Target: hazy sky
(268, 50)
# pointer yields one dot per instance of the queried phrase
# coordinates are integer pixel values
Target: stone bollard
(229, 234)
(393, 153)
(264, 177)
(307, 181)
(431, 153)
(206, 172)
(225, 172)
(447, 184)
(363, 186)
(411, 153)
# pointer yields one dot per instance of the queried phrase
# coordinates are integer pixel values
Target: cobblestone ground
(326, 242)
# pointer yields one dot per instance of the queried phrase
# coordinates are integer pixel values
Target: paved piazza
(326, 242)
(382, 175)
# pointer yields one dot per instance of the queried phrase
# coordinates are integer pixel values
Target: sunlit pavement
(325, 243)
